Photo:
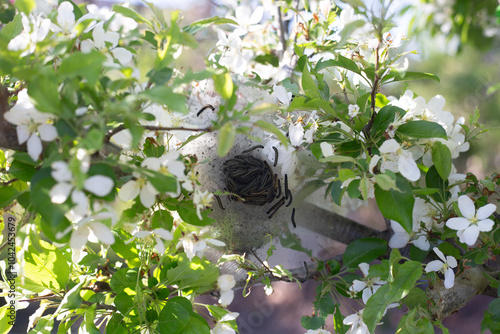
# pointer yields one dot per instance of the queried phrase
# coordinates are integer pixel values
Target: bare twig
(155, 128)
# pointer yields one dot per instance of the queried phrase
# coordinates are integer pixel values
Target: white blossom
(32, 126)
(221, 327)
(444, 266)
(368, 285)
(195, 245)
(35, 29)
(158, 234)
(356, 322)
(397, 159)
(472, 222)
(353, 110)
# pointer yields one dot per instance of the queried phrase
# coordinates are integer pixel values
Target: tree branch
(154, 128)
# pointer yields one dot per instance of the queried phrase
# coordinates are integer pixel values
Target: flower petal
(439, 254)
(148, 198)
(34, 147)
(471, 234)
(99, 185)
(486, 211)
(129, 191)
(164, 234)
(466, 206)
(389, 146)
(103, 233)
(485, 225)
(47, 132)
(60, 192)
(435, 265)
(449, 278)
(23, 133)
(408, 168)
(458, 223)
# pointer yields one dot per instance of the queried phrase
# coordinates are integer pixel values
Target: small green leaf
(363, 250)
(224, 85)
(205, 23)
(309, 86)
(272, 129)
(312, 322)
(227, 136)
(422, 129)
(441, 157)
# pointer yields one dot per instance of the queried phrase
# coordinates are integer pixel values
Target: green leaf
(44, 91)
(162, 182)
(309, 86)
(384, 117)
(494, 309)
(9, 31)
(337, 159)
(407, 76)
(25, 6)
(127, 251)
(166, 96)
(72, 299)
(7, 319)
(128, 12)
(416, 297)
(173, 318)
(124, 302)
(188, 213)
(341, 61)
(196, 325)
(405, 280)
(48, 268)
(162, 219)
(375, 308)
(313, 322)
(22, 171)
(397, 205)
(124, 278)
(422, 129)
(205, 23)
(223, 85)
(363, 250)
(85, 65)
(385, 181)
(7, 195)
(161, 76)
(441, 157)
(227, 136)
(272, 129)
(196, 274)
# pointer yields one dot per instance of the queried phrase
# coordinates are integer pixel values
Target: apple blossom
(444, 265)
(221, 327)
(33, 126)
(35, 29)
(158, 234)
(473, 221)
(397, 159)
(368, 285)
